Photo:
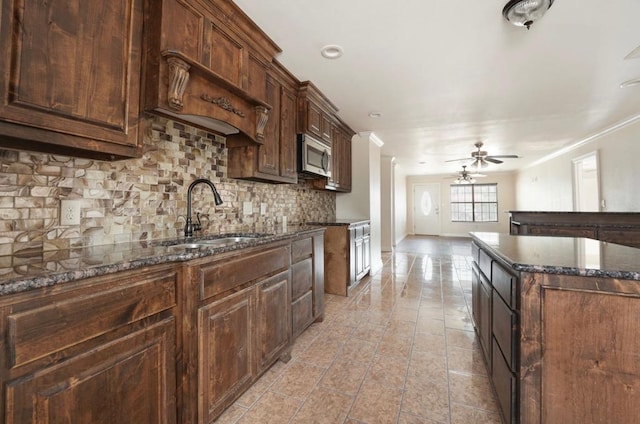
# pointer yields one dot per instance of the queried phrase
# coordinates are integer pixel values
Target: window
(474, 203)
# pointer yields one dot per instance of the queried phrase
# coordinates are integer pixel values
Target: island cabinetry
(274, 160)
(495, 317)
(347, 256)
(99, 350)
(307, 282)
(242, 325)
(579, 349)
(71, 77)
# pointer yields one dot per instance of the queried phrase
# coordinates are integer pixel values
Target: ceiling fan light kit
(525, 12)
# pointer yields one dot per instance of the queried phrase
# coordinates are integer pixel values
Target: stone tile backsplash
(140, 199)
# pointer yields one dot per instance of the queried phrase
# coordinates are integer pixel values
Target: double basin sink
(224, 241)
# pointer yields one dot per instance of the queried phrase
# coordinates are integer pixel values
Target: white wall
(387, 200)
(400, 205)
(506, 202)
(364, 200)
(548, 186)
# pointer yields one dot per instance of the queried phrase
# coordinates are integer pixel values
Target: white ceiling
(447, 73)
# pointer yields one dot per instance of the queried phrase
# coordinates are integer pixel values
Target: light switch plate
(263, 208)
(70, 212)
(247, 208)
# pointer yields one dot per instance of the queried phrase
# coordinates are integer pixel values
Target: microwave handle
(325, 160)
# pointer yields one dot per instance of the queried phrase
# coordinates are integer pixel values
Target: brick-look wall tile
(140, 199)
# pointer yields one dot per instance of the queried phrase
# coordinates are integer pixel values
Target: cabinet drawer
(504, 382)
(505, 327)
(484, 262)
(301, 278)
(475, 252)
(302, 313)
(505, 284)
(225, 275)
(301, 249)
(64, 322)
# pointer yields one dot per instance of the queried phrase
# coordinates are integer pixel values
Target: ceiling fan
(466, 177)
(480, 158)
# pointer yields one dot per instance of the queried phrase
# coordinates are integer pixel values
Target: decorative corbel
(178, 79)
(262, 116)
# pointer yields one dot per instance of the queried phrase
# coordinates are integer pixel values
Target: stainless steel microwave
(314, 156)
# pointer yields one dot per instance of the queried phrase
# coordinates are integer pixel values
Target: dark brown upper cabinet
(207, 65)
(71, 77)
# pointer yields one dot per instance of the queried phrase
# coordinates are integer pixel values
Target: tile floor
(399, 350)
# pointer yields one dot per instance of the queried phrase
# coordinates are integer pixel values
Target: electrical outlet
(70, 212)
(247, 208)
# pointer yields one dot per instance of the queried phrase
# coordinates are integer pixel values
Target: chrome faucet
(190, 226)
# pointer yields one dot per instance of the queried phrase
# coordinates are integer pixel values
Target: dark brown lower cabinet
(165, 344)
(101, 350)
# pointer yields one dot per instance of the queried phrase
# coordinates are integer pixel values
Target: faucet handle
(197, 226)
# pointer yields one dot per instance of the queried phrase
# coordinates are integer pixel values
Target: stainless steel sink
(217, 242)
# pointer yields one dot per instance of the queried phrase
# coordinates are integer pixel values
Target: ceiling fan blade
(492, 159)
(504, 156)
(477, 175)
(457, 160)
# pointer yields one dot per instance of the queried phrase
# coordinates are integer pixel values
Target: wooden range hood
(206, 66)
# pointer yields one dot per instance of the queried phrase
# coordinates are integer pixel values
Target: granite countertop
(18, 273)
(563, 255)
(340, 222)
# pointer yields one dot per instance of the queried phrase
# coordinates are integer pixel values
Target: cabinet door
(334, 180)
(345, 163)
(326, 128)
(288, 125)
(314, 119)
(270, 150)
(225, 356)
(366, 254)
(273, 318)
(359, 248)
(128, 380)
(71, 76)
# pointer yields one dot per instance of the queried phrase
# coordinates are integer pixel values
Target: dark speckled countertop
(49, 268)
(340, 222)
(563, 255)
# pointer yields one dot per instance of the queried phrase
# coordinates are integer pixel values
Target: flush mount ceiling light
(375, 115)
(525, 12)
(332, 51)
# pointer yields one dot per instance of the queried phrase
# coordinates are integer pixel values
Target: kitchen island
(558, 319)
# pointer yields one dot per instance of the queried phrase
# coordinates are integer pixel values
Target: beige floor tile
(376, 404)
(298, 380)
(358, 350)
(321, 352)
(461, 414)
(472, 390)
(465, 339)
(369, 332)
(392, 345)
(401, 329)
(388, 371)
(430, 325)
(426, 399)
(345, 375)
(466, 360)
(428, 366)
(429, 342)
(324, 406)
(413, 419)
(271, 408)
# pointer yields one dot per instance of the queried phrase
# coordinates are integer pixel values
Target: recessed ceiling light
(375, 114)
(332, 51)
(630, 83)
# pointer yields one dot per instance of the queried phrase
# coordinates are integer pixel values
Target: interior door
(426, 209)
